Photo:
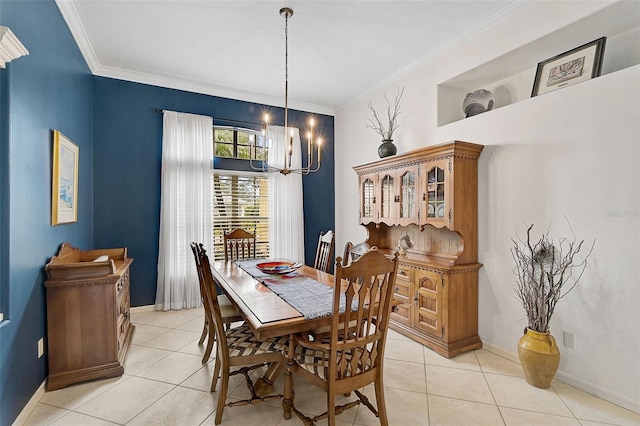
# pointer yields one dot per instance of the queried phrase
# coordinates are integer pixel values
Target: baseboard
(511, 356)
(143, 308)
(605, 394)
(31, 405)
(147, 308)
(571, 380)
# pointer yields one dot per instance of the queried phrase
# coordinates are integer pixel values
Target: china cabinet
(88, 317)
(431, 196)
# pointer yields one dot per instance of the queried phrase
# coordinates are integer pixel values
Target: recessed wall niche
(510, 77)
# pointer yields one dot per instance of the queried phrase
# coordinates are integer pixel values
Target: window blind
(240, 201)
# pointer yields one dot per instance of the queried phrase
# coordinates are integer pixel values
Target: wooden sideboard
(429, 199)
(88, 314)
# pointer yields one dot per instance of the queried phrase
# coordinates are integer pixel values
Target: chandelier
(312, 144)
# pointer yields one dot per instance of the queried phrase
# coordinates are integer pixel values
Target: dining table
(268, 314)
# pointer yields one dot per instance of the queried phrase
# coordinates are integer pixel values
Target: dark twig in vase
(393, 111)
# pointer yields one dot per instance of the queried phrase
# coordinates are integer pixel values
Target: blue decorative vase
(387, 148)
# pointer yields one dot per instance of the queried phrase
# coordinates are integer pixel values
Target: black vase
(387, 148)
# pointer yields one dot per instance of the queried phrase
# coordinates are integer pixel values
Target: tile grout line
(484, 376)
(565, 404)
(426, 382)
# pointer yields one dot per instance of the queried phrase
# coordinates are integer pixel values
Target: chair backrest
(353, 252)
(324, 251)
(358, 336)
(195, 249)
(211, 301)
(239, 244)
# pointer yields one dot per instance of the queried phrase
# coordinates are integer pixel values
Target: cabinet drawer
(123, 327)
(123, 322)
(123, 305)
(401, 290)
(402, 313)
(122, 285)
(404, 273)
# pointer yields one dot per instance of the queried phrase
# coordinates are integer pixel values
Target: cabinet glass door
(368, 199)
(408, 195)
(387, 204)
(435, 196)
(409, 207)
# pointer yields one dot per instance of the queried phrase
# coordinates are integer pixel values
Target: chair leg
(216, 374)
(222, 395)
(207, 351)
(382, 408)
(264, 385)
(205, 331)
(331, 408)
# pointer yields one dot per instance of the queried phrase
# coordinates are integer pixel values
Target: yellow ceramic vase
(540, 357)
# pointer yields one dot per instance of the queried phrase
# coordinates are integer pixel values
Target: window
(231, 142)
(240, 201)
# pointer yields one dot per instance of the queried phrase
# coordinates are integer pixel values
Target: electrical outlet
(568, 339)
(40, 347)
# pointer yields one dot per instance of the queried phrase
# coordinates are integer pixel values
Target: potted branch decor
(387, 147)
(546, 272)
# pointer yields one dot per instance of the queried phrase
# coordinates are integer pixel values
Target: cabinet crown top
(455, 148)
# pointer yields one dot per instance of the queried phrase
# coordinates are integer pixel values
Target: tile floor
(166, 384)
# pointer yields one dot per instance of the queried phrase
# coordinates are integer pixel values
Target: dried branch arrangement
(393, 111)
(546, 273)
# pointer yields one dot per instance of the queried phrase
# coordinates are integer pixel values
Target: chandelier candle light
(286, 169)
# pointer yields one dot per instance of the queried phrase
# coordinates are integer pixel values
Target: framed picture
(64, 186)
(577, 65)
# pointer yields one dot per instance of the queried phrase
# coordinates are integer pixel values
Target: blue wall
(119, 136)
(127, 164)
(49, 89)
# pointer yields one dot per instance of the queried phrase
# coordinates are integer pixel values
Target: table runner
(311, 298)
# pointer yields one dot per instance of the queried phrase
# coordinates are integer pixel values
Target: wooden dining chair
(324, 251)
(353, 354)
(228, 310)
(239, 244)
(236, 347)
(353, 252)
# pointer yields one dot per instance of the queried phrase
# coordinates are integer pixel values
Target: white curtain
(286, 219)
(185, 206)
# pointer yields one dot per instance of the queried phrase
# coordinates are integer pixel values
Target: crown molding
(70, 16)
(211, 88)
(10, 47)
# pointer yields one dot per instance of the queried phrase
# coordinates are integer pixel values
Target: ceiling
(339, 51)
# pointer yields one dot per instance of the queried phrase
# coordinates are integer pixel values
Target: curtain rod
(218, 118)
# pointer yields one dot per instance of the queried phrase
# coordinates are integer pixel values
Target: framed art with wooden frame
(571, 67)
(64, 187)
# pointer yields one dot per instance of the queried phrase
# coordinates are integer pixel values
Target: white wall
(574, 152)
